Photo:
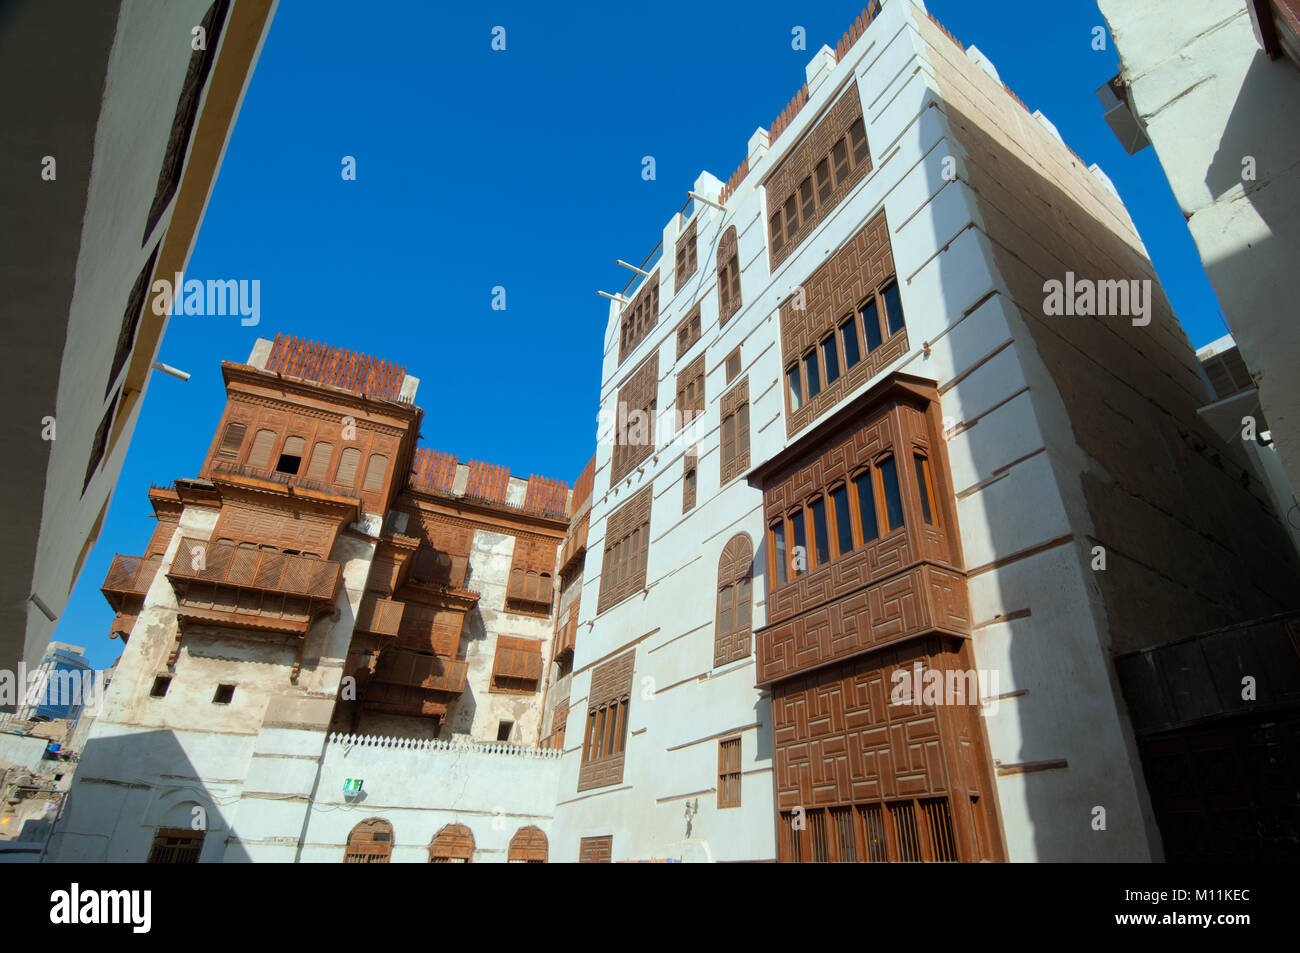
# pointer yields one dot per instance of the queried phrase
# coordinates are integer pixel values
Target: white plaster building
(1062, 436)
(111, 165)
(1214, 84)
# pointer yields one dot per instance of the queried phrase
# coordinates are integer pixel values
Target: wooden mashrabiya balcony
(225, 584)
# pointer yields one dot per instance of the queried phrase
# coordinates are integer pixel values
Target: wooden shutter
(232, 440)
(371, 842)
(348, 463)
(742, 436)
(375, 471)
(528, 846)
(294, 446)
(517, 665)
(596, 850)
(260, 455)
(318, 469)
(454, 844)
(729, 773)
(733, 365)
(734, 623)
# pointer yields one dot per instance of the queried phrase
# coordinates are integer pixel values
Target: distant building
(60, 686)
(327, 601)
(114, 147)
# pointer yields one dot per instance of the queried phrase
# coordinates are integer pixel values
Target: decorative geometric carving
(728, 276)
(623, 569)
(634, 437)
(783, 184)
(734, 413)
(733, 627)
(686, 259)
(831, 293)
(639, 316)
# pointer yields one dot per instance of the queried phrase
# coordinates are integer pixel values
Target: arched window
(176, 845)
(375, 472)
(260, 454)
(528, 846)
(371, 842)
(349, 460)
(735, 601)
(728, 276)
(454, 844)
(290, 460)
(319, 467)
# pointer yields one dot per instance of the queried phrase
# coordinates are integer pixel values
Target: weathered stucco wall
(1220, 115)
(420, 787)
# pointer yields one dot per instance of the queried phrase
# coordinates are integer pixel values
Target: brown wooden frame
(818, 352)
(365, 847)
(454, 843)
(528, 846)
(176, 845)
(901, 830)
(729, 772)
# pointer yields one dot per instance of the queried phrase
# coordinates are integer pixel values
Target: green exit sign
(352, 786)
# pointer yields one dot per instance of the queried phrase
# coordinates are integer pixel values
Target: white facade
(1057, 729)
(1220, 115)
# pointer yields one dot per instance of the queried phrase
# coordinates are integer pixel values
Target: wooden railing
(130, 575)
(379, 616)
(416, 670)
(200, 560)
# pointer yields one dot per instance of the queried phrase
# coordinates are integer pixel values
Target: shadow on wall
(1266, 84)
(1188, 548)
(165, 813)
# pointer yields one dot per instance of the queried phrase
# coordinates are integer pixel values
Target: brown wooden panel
(634, 436)
(830, 294)
(839, 739)
(453, 844)
(528, 846)
(596, 850)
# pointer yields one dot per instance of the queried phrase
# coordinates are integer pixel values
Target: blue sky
(478, 168)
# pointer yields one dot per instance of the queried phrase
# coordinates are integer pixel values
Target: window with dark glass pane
(871, 325)
(812, 374)
(821, 539)
(893, 499)
(849, 333)
(823, 173)
(778, 242)
(866, 507)
(792, 387)
(893, 307)
(840, 156)
(923, 486)
(791, 218)
(797, 540)
(806, 198)
(843, 522)
(858, 140)
(778, 550)
(831, 358)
